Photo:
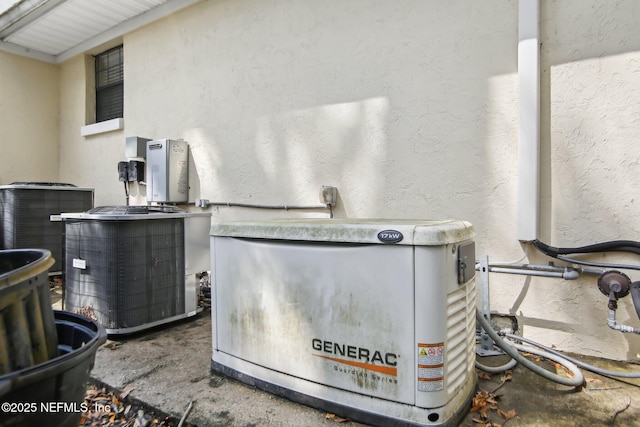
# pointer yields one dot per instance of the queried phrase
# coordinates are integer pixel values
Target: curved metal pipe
(578, 363)
(512, 350)
(611, 322)
(566, 273)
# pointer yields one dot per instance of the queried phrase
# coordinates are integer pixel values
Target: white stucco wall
(397, 105)
(590, 117)
(89, 161)
(28, 120)
(410, 109)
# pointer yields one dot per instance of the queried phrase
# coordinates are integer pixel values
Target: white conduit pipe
(611, 321)
(529, 118)
(567, 274)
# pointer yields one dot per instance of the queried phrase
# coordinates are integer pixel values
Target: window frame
(109, 83)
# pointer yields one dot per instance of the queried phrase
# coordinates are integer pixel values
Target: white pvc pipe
(529, 119)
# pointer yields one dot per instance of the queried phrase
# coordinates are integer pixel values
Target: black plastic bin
(52, 393)
(27, 329)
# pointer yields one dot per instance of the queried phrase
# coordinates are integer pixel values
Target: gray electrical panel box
(136, 146)
(167, 171)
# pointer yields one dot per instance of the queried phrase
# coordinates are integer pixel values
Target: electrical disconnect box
(131, 171)
(135, 171)
(123, 171)
(328, 195)
(167, 171)
(136, 146)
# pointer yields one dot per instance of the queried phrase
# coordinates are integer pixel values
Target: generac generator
(369, 319)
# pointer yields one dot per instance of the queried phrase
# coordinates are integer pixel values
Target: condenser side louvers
(135, 270)
(127, 265)
(30, 215)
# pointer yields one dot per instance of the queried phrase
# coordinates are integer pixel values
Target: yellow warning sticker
(430, 367)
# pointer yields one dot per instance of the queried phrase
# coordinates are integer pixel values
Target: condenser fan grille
(129, 273)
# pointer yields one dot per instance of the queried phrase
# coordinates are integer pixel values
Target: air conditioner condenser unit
(30, 215)
(134, 267)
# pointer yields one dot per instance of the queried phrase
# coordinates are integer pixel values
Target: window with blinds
(109, 84)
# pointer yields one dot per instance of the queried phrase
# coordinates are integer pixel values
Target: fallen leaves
(561, 368)
(503, 379)
(55, 282)
(110, 408)
(125, 391)
(483, 376)
(337, 419)
(507, 415)
(112, 345)
(558, 366)
(484, 402)
(87, 311)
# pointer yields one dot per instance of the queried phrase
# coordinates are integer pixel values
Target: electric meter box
(371, 319)
(167, 171)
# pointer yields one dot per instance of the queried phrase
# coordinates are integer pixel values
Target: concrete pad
(169, 367)
(539, 402)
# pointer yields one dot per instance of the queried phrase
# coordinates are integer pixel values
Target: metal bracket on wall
(486, 346)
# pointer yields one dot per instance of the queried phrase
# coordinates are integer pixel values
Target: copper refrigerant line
(611, 283)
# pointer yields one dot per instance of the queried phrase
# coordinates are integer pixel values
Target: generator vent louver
(461, 344)
(30, 215)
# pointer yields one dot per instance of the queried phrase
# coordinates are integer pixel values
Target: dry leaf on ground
(507, 415)
(337, 419)
(483, 402)
(483, 375)
(125, 391)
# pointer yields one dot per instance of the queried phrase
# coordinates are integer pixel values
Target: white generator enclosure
(370, 319)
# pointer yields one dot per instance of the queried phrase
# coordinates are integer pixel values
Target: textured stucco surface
(405, 113)
(409, 108)
(28, 120)
(590, 118)
(87, 161)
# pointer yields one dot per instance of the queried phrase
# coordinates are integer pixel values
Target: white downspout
(529, 119)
